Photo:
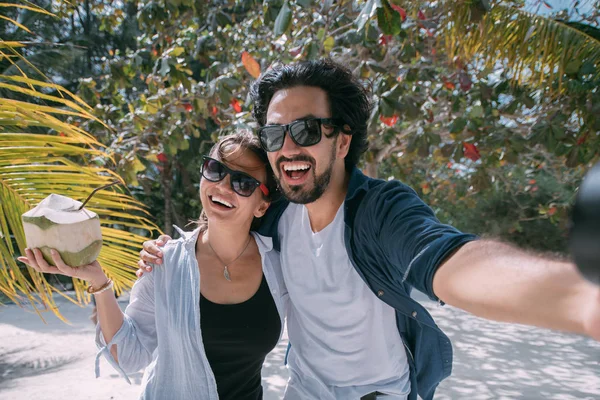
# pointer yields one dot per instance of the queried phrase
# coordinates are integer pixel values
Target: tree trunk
(371, 169)
(166, 180)
(88, 34)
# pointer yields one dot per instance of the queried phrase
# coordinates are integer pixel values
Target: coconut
(57, 223)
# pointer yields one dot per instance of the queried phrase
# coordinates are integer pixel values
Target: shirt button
(274, 291)
(414, 314)
(379, 293)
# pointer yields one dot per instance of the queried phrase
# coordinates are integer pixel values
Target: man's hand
(151, 254)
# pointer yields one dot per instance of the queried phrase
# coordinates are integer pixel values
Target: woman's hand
(91, 272)
(151, 254)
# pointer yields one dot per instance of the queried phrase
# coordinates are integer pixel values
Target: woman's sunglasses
(241, 183)
(304, 132)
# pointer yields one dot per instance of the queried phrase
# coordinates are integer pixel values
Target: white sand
(492, 361)
(56, 361)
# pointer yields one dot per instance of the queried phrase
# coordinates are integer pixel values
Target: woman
(203, 324)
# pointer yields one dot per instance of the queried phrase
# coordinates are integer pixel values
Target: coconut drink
(60, 223)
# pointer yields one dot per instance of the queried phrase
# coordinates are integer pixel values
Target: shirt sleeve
(136, 340)
(413, 241)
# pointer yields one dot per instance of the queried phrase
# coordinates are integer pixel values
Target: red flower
(384, 39)
(471, 151)
(400, 10)
(295, 51)
(236, 105)
(162, 157)
(389, 121)
(449, 85)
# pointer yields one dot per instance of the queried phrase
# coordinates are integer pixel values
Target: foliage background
(489, 109)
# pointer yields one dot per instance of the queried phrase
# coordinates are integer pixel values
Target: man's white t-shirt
(345, 342)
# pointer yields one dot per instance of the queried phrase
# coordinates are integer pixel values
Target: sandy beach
(492, 361)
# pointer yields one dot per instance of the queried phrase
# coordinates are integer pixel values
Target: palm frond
(532, 49)
(59, 160)
(31, 7)
(32, 166)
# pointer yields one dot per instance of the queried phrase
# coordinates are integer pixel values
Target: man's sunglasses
(241, 183)
(304, 132)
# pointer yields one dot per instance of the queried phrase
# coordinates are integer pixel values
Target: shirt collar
(358, 182)
(265, 243)
(188, 237)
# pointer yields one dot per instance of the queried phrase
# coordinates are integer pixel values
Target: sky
(557, 5)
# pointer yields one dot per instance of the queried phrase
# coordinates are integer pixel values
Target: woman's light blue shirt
(161, 330)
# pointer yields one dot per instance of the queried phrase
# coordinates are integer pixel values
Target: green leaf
(434, 139)
(326, 6)
(176, 51)
(223, 19)
(558, 132)
(588, 68)
(328, 44)
(512, 107)
(387, 107)
(423, 150)
(485, 4)
(502, 87)
(164, 66)
(283, 20)
(410, 108)
(447, 150)
(476, 112)
(365, 14)
(573, 67)
(376, 67)
(573, 158)
(313, 51)
(137, 165)
(458, 125)
(321, 34)
(184, 144)
(528, 101)
(388, 19)
(518, 143)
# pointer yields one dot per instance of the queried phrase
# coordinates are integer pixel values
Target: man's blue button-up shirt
(396, 243)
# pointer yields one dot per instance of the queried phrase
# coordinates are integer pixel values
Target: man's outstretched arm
(498, 281)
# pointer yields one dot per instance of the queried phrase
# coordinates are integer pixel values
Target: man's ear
(343, 144)
(262, 209)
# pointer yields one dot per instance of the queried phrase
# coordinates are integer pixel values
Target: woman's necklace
(225, 271)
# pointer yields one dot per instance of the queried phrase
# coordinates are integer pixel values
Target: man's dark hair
(349, 100)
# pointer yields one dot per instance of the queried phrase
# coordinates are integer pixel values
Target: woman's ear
(262, 209)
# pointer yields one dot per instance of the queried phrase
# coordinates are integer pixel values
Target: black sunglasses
(241, 183)
(304, 132)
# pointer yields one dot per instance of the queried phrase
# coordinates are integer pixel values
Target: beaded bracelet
(103, 288)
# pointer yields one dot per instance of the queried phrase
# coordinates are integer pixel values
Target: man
(352, 248)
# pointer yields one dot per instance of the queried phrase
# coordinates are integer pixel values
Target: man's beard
(298, 194)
